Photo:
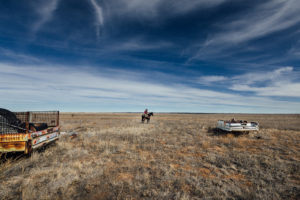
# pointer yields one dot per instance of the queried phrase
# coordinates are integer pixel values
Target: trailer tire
(28, 149)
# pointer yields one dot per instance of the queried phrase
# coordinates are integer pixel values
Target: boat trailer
(237, 126)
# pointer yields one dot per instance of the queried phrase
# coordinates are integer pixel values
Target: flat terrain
(176, 156)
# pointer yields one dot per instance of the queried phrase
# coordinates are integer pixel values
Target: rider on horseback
(146, 112)
(146, 116)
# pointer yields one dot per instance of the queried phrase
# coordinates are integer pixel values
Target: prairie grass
(176, 156)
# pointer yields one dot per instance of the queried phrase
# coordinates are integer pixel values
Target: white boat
(237, 126)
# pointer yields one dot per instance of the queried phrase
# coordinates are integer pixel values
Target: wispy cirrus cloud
(184, 6)
(265, 19)
(45, 11)
(98, 16)
(11, 55)
(294, 51)
(208, 80)
(138, 44)
(159, 8)
(269, 17)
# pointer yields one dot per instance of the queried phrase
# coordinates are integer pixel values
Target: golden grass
(176, 156)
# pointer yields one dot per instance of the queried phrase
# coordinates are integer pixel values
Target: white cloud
(295, 49)
(267, 18)
(207, 80)
(282, 90)
(17, 56)
(281, 82)
(188, 5)
(137, 44)
(45, 11)
(280, 74)
(65, 86)
(270, 17)
(157, 8)
(98, 15)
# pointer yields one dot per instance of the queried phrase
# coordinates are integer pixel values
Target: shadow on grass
(45, 147)
(218, 132)
(15, 156)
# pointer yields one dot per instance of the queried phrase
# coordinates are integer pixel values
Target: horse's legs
(148, 120)
(143, 119)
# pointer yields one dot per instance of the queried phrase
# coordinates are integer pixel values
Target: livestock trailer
(237, 126)
(25, 131)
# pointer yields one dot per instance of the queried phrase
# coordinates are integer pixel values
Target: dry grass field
(176, 156)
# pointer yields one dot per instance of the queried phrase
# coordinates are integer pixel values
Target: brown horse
(147, 117)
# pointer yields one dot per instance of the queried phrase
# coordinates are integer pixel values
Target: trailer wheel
(28, 149)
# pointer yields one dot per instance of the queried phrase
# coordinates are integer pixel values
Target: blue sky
(166, 55)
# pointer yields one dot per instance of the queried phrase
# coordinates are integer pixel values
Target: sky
(202, 56)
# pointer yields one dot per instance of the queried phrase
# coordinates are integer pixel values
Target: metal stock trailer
(25, 131)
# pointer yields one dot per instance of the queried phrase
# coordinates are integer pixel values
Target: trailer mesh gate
(17, 122)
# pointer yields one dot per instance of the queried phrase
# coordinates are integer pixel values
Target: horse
(146, 117)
